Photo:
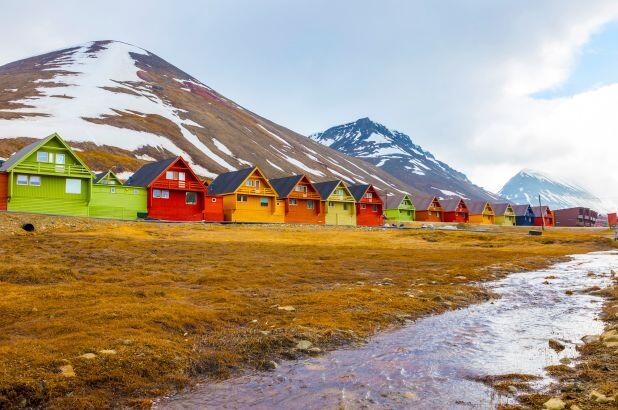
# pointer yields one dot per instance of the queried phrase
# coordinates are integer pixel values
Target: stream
(432, 363)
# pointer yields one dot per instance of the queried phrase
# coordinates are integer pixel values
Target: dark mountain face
(122, 106)
(395, 153)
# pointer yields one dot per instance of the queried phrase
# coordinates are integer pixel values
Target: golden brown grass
(178, 301)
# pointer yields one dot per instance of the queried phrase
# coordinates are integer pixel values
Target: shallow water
(431, 363)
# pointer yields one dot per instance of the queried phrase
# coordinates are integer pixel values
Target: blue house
(524, 215)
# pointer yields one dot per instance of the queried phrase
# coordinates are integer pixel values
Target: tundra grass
(104, 314)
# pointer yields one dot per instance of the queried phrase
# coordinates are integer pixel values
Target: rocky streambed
(442, 361)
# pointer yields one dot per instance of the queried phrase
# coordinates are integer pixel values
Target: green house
(340, 205)
(399, 208)
(112, 199)
(48, 177)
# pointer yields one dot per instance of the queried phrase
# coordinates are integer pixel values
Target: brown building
(574, 217)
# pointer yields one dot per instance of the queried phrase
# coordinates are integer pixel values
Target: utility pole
(542, 215)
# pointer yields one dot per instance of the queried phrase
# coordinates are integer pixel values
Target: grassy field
(101, 313)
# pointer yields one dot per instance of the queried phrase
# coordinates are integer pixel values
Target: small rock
(556, 345)
(126, 342)
(273, 364)
(315, 350)
(287, 308)
(565, 360)
(610, 336)
(512, 389)
(461, 277)
(591, 338)
(67, 370)
(88, 356)
(303, 345)
(554, 403)
(575, 407)
(108, 352)
(600, 397)
(410, 395)
(569, 292)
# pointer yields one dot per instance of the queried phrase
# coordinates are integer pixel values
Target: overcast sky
(488, 86)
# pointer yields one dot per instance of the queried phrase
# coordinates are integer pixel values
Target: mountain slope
(395, 153)
(121, 106)
(525, 187)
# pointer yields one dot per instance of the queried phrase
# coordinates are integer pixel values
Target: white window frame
(249, 182)
(156, 193)
(165, 194)
(242, 198)
(368, 195)
(169, 175)
(24, 180)
(35, 178)
(112, 190)
(363, 206)
(331, 204)
(71, 185)
(256, 184)
(39, 154)
(293, 201)
(60, 159)
(181, 176)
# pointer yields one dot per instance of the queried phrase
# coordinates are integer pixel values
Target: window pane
(181, 176)
(59, 158)
(310, 204)
(293, 201)
(35, 180)
(156, 193)
(165, 194)
(42, 156)
(263, 201)
(73, 186)
(191, 198)
(169, 175)
(136, 192)
(112, 190)
(22, 179)
(249, 183)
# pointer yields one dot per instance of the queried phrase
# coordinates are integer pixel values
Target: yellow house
(504, 214)
(248, 196)
(481, 212)
(340, 205)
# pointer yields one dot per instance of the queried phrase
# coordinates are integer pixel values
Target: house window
(242, 198)
(191, 198)
(363, 206)
(256, 183)
(60, 159)
(104, 181)
(156, 193)
(35, 180)
(249, 182)
(263, 201)
(369, 195)
(22, 179)
(374, 208)
(112, 182)
(339, 192)
(213, 199)
(301, 188)
(112, 190)
(169, 175)
(42, 156)
(165, 194)
(331, 204)
(345, 206)
(181, 176)
(136, 192)
(293, 201)
(310, 204)
(73, 186)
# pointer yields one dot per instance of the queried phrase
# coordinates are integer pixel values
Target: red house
(369, 205)
(454, 210)
(4, 184)
(543, 213)
(175, 193)
(612, 219)
(213, 207)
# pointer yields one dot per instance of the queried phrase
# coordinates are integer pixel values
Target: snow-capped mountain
(122, 106)
(396, 153)
(526, 185)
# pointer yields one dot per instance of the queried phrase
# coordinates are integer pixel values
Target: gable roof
(358, 190)
(149, 172)
(98, 177)
(522, 210)
(422, 202)
(477, 207)
(450, 205)
(28, 149)
(325, 189)
(229, 182)
(394, 201)
(285, 185)
(500, 209)
(540, 210)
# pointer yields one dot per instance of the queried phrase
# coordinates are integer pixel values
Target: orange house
(481, 212)
(248, 196)
(302, 202)
(428, 208)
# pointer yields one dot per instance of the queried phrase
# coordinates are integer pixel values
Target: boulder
(591, 338)
(554, 403)
(67, 370)
(88, 356)
(304, 345)
(556, 345)
(600, 397)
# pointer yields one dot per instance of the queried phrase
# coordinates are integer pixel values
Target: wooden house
(524, 215)
(481, 212)
(302, 201)
(174, 191)
(543, 216)
(213, 206)
(112, 199)
(369, 206)
(340, 205)
(575, 217)
(248, 196)
(4, 188)
(504, 214)
(612, 220)
(398, 208)
(454, 210)
(427, 208)
(47, 177)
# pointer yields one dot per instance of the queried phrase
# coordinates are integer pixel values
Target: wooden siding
(175, 207)
(483, 219)
(4, 190)
(400, 215)
(50, 197)
(302, 214)
(434, 215)
(340, 212)
(252, 210)
(117, 201)
(213, 209)
(504, 220)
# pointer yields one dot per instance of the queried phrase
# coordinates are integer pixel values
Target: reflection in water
(431, 363)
